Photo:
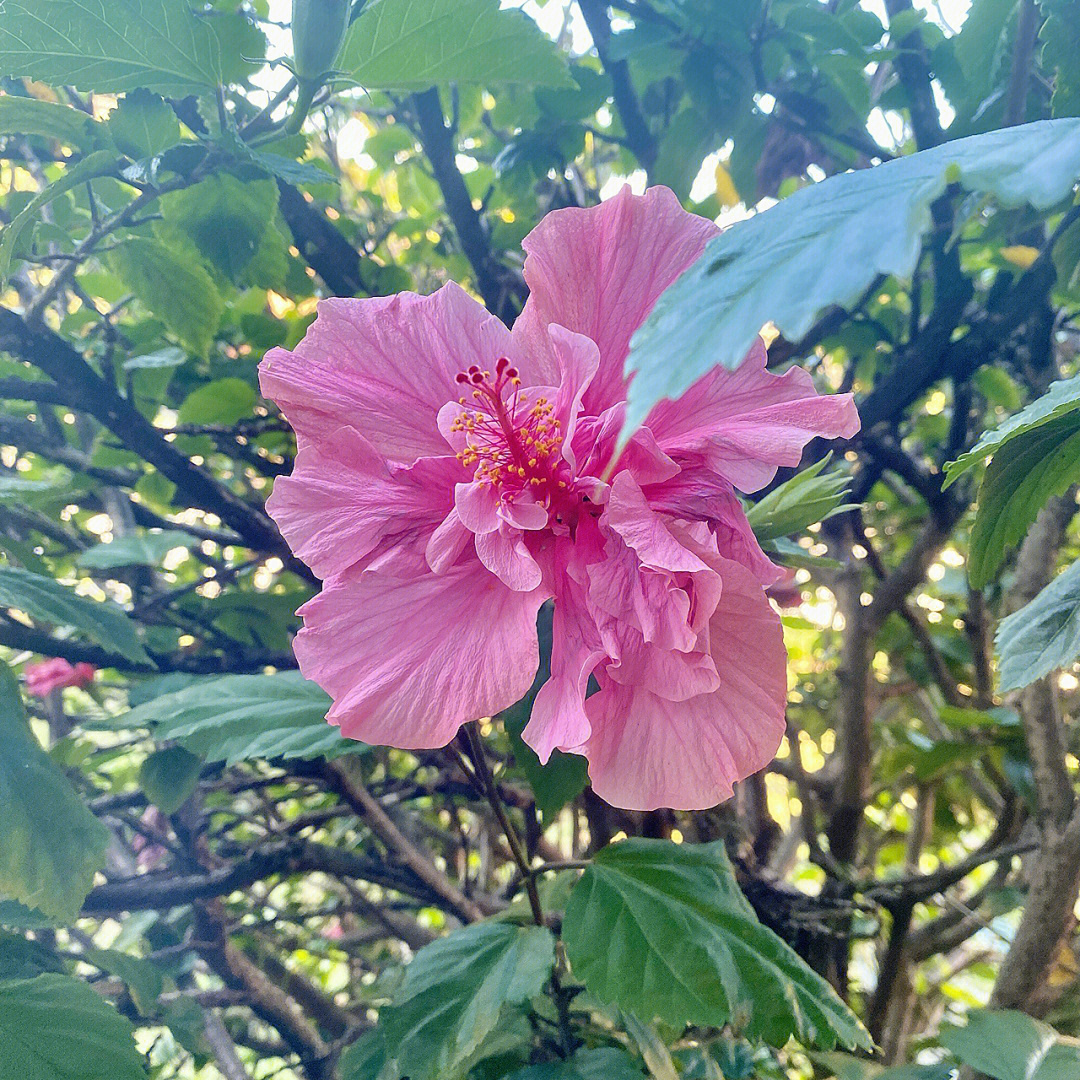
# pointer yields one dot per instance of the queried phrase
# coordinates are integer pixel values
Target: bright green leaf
(138, 549)
(49, 601)
(1009, 1045)
(240, 717)
(662, 930)
(455, 989)
(413, 44)
(143, 125)
(109, 45)
(1043, 635)
(56, 1028)
(223, 401)
(807, 498)
(824, 246)
(52, 844)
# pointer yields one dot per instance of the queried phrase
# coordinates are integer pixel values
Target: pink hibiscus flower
(453, 475)
(45, 676)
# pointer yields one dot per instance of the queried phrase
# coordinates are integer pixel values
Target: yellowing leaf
(726, 191)
(1020, 255)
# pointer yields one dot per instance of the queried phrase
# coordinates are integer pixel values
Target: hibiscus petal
(343, 498)
(599, 271)
(646, 752)
(409, 660)
(745, 423)
(504, 553)
(386, 366)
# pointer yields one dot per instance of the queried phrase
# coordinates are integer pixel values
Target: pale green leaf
(662, 930)
(48, 601)
(29, 116)
(52, 845)
(807, 498)
(454, 991)
(413, 44)
(138, 549)
(109, 45)
(824, 246)
(143, 124)
(1043, 635)
(239, 717)
(1010, 1045)
(54, 1027)
(145, 980)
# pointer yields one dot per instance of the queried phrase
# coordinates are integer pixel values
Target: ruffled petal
(599, 271)
(343, 498)
(506, 555)
(646, 751)
(746, 423)
(385, 366)
(409, 660)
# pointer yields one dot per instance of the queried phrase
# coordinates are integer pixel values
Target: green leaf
(662, 930)
(1009, 1045)
(142, 549)
(1043, 635)
(169, 776)
(145, 980)
(605, 1063)
(807, 498)
(21, 958)
(49, 601)
(1023, 474)
(825, 245)
(99, 163)
(52, 845)
(109, 46)
(455, 989)
(413, 44)
(174, 285)
(223, 401)
(848, 1067)
(1062, 398)
(240, 717)
(143, 125)
(57, 1028)
(169, 356)
(1060, 35)
(229, 222)
(29, 116)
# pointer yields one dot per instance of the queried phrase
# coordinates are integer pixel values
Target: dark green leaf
(824, 246)
(21, 958)
(50, 602)
(144, 979)
(52, 845)
(109, 46)
(1023, 474)
(605, 1063)
(454, 991)
(661, 929)
(169, 776)
(1043, 635)
(143, 125)
(141, 549)
(56, 1028)
(174, 285)
(402, 44)
(240, 717)
(1009, 1045)
(1060, 35)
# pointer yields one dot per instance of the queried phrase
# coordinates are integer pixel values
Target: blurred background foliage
(199, 878)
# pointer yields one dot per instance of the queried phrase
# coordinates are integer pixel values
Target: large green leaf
(109, 45)
(605, 1063)
(1023, 474)
(1010, 1045)
(824, 246)
(29, 116)
(1041, 636)
(413, 44)
(240, 717)
(174, 284)
(52, 845)
(49, 601)
(1063, 397)
(454, 991)
(138, 549)
(57, 1028)
(662, 930)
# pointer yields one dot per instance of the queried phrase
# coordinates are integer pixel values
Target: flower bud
(318, 28)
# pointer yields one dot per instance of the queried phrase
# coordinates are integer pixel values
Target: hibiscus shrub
(648, 433)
